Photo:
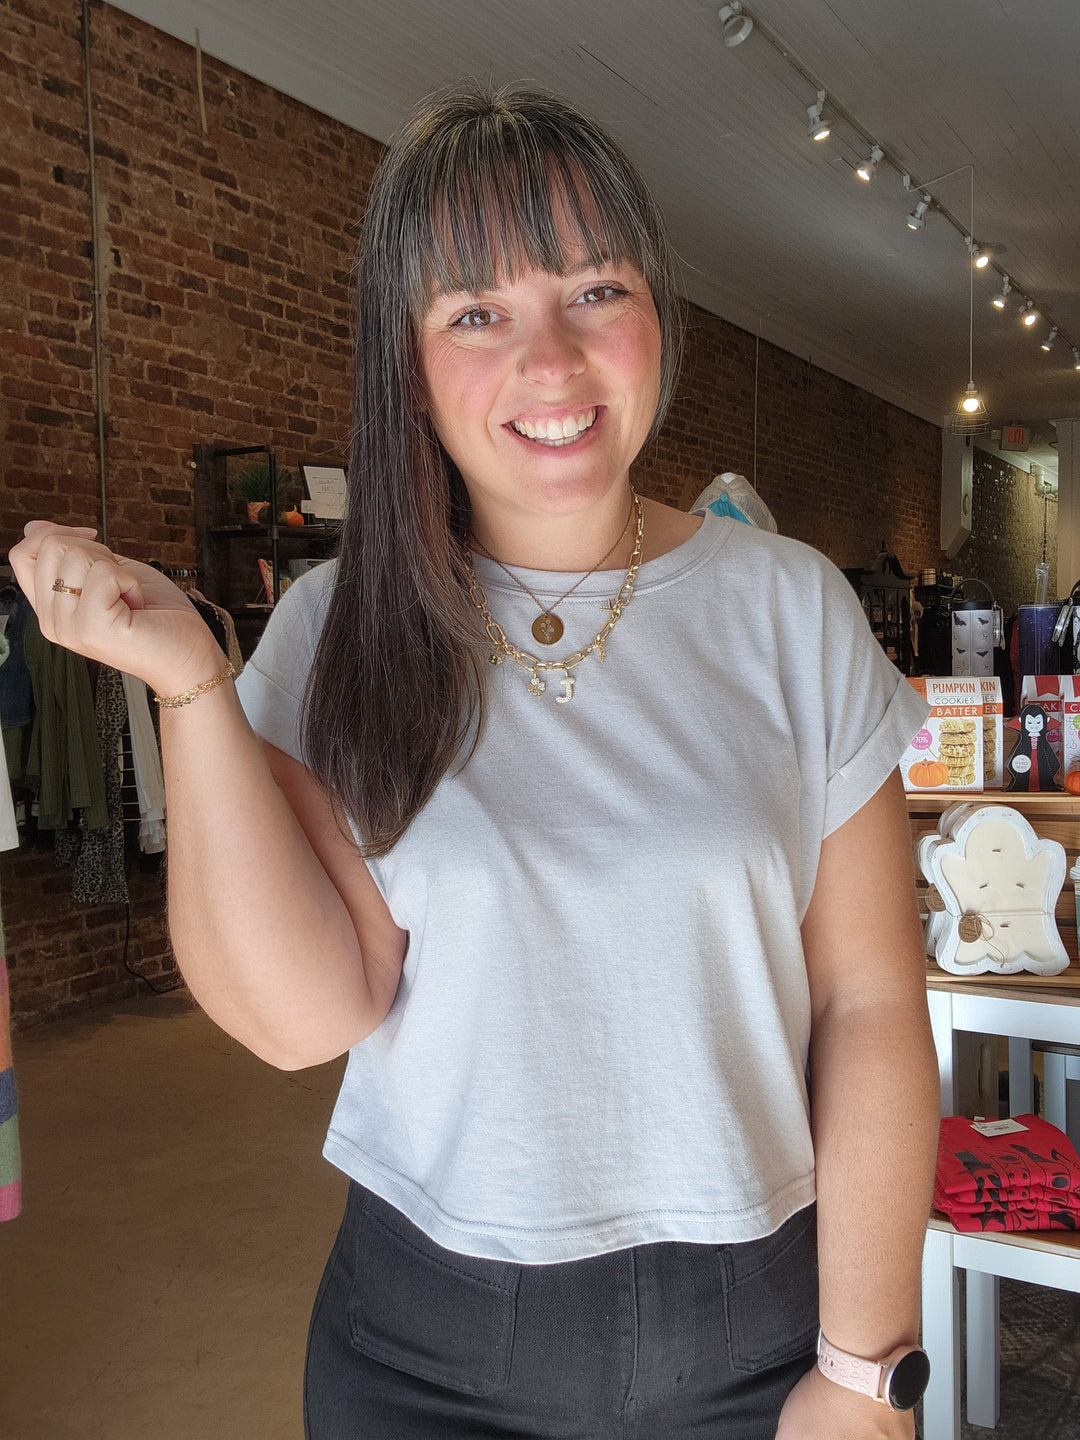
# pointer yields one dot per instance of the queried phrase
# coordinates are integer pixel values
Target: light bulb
(980, 256)
(999, 300)
(1028, 314)
(867, 169)
(1047, 344)
(917, 219)
(971, 403)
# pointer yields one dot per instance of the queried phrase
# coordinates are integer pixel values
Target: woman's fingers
(32, 527)
(38, 557)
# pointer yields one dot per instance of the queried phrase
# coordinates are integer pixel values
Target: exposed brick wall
(227, 262)
(66, 957)
(839, 468)
(1007, 531)
(227, 279)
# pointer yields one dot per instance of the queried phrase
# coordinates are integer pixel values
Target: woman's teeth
(555, 432)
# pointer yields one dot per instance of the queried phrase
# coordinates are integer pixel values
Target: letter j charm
(568, 689)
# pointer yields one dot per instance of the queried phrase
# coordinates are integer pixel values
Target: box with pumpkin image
(948, 753)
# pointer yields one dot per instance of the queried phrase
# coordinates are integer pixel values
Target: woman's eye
(475, 319)
(598, 294)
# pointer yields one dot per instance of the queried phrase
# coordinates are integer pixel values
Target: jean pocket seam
(743, 1358)
(462, 1373)
(397, 1359)
(428, 1259)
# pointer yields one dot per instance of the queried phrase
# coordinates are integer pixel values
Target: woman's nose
(551, 353)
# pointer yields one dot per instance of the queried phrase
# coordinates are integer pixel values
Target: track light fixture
(867, 169)
(736, 26)
(818, 129)
(1048, 343)
(980, 256)
(736, 23)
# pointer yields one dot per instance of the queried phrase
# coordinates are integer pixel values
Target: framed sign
(325, 486)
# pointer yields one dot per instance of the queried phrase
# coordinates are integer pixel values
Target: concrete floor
(176, 1217)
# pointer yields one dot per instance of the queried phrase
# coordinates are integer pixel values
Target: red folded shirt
(1025, 1180)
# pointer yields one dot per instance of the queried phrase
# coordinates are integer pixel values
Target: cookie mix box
(993, 733)
(947, 753)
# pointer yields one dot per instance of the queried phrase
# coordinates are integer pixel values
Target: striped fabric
(10, 1160)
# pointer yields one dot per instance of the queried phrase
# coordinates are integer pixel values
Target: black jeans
(666, 1341)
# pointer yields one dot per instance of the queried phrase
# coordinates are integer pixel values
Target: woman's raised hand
(123, 613)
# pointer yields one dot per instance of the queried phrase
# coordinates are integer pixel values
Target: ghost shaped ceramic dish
(937, 918)
(999, 884)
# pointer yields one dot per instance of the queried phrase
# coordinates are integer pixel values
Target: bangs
(497, 195)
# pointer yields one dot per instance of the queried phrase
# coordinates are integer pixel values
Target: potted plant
(252, 485)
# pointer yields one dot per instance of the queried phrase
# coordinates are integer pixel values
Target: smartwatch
(899, 1381)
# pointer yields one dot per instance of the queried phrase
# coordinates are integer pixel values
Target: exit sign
(1014, 437)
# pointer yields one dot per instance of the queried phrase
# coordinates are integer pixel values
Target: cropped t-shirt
(601, 1032)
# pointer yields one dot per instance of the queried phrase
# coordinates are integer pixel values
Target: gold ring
(61, 589)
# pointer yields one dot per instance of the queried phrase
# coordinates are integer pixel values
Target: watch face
(909, 1379)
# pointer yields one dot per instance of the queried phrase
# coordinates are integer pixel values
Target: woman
(634, 849)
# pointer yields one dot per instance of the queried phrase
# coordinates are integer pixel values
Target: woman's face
(543, 389)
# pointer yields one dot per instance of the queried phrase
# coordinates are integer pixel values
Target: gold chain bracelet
(172, 702)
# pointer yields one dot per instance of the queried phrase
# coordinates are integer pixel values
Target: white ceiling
(775, 233)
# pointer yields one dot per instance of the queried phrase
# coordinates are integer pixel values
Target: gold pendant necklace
(547, 628)
(504, 649)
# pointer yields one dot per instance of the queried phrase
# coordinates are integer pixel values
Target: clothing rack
(187, 575)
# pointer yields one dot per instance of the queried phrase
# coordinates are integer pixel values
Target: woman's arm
(275, 920)
(875, 1103)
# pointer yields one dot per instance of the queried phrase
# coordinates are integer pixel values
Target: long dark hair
(465, 193)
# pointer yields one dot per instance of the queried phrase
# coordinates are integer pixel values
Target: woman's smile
(557, 430)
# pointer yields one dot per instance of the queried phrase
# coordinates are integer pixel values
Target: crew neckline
(710, 536)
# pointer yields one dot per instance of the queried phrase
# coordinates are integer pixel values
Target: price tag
(997, 1127)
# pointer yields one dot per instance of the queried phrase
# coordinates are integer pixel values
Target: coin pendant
(547, 628)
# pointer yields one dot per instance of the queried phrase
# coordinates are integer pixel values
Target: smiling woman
(547, 804)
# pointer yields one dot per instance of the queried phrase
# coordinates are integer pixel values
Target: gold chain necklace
(547, 627)
(503, 648)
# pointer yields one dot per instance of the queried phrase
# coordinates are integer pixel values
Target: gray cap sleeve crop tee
(600, 1037)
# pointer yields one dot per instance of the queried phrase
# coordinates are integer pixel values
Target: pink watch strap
(854, 1373)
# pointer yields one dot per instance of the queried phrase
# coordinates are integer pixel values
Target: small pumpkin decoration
(1072, 782)
(929, 774)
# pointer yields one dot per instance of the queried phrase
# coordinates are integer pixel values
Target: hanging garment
(97, 856)
(65, 758)
(16, 694)
(9, 832)
(148, 776)
(10, 1159)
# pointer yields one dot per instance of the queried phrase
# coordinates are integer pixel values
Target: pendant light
(970, 417)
